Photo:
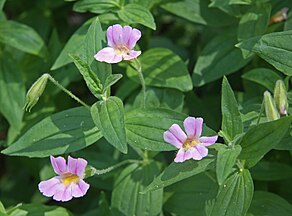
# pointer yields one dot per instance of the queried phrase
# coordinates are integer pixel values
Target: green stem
(138, 68)
(260, 114)
(67, 91)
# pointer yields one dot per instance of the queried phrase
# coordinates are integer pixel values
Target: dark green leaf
(261, 139)
(134, 13)
(63, 132)
(38, 209)
(163, 68)
(22, 37)
(108, 115)
(96, 6)
(228, 7)
(176, 172)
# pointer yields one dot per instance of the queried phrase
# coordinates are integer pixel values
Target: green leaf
(275, 48)
(228, 7)
(271, 171)
(288, 22)
(111, 80)
(218, 58)
(63, 132)
(2, 2)
(231, 120)
(234, 196)
(108, 115)
(126, 196)
(22, 37)
(263, 76)
(163, 68)
(198, 190)
(38, 209)
(145, 127)
(96, 6)
(226, 159)
(176, 172)
(12, 90)
(261, 139)
(269, 204)
(198, 11)
(2, 208)
(92, 82)
(134, 13)
(241, 2)
(254, 22)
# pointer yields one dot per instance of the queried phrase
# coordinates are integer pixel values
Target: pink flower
(191, 145)
(121, 41)
(69, 182)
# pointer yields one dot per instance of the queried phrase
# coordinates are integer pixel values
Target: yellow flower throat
(69, 178)
(122, 50)
(190, 142)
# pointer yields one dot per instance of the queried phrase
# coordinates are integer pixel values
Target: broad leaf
(108, 115)
(234, 196)
(22, 37)
(163, 68)
(126, 196)
(261, 139)
(135, 13)
(176, 172)
(63, 132)
(96, 6)
(38, 209)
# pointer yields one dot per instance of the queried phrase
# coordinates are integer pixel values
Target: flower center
(122, 49)
(69, 178)
(190, 142)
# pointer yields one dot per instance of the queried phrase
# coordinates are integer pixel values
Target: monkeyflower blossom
(121, 41)
(190, 145)
(69, 182)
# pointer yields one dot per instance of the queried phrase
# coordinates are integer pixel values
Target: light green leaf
(134, 13)
(218, 58)
(111, 80)
(226, 6)
(108, 115)
(234, 196)
(226, 159)
(126, 196)
(38, 209)
(263, 76)
(12, 90)
(22, 37)
(231, 120)
(63, 132)
(261, 139)
(2, 209)
(92, 82)
(269, 204)
(163, 68)
(96, 6)
(176, 172)
(275, 48)
(2, 2)
(240, 2)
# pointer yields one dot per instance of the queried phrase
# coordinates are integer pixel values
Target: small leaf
(163, 68)
(234, 196)
(63, 132)
(111, 80)
(2, 209)
(38, 209)
(96, 6)
(134, 13)
(108, 115)
(176, 172)
(22, 37)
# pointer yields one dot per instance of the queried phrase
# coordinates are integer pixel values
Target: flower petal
(135, 36)
(77, 166)
(133, 54)
(207, 141)
(80, 189)
(188, 154)
(175, 136)
(127, 31)
(59, 164)
(109, 35)
(108, 55)
(49, 187)
(180, 156)
(193, 126)
(202, 150)
(117, 35)
(178, 133)
(196, 154)
(171, 139)
(64, 193)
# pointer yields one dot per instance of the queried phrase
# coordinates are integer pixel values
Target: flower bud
(280, 16)
(35, 91)
(280, 95)
(270, 107)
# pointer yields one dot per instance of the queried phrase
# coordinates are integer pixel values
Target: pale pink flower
(121, 41)
(191, 145)
(69, 182)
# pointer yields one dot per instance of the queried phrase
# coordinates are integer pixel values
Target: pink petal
(59, 164)
(196, 154)
(77, 166)
(64, 193)
(178, 133)
(49, 187)
(127, 31)
(109, 35)
(207, 141)
(108, 55)
(80, 189)
(170, 138)
(135, 36)
(117, 35)
(202, 150)
(133, 54)
(188, 154)
(175, 136)
(180, 156)
(193, 126)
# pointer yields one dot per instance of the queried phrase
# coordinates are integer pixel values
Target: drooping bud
(270, 107)
(280, 16)
(280, 95)
(35, 91)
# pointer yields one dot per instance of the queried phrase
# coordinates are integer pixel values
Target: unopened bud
(270, 107)
(280, 16)
(280, 95)
(89, 171)
(35, 91)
